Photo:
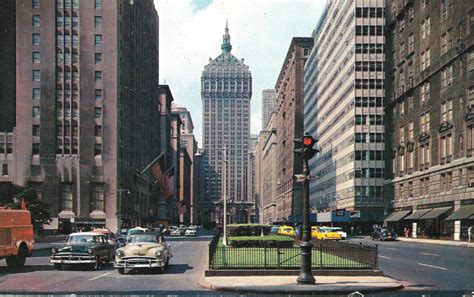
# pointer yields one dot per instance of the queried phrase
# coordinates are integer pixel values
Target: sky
(261, 31)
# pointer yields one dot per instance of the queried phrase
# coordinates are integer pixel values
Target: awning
(397, 216)
(417, 214)
(463, 213)
(435, 213)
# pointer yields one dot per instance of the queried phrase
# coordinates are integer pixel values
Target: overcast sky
(261, 31)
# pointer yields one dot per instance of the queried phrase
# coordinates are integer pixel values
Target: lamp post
(119, 214)
(225, 194)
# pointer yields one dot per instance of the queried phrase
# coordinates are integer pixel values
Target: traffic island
(288, 284)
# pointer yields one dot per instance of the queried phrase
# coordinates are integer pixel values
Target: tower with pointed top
(226, 91)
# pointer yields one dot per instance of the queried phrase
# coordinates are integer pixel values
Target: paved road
(186, 268)
(427, 267)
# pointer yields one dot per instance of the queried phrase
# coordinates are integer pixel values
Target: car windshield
(135, 231)
(287, 229)
(82, 239)
(143, 238)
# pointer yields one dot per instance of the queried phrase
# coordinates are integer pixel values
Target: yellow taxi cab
(324, 233)
(286, 230)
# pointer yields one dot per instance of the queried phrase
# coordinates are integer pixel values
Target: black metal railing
(325, 255)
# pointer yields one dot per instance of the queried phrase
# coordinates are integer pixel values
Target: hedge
(274, 241)
(248, 229)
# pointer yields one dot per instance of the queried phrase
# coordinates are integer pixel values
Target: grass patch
(261, 241)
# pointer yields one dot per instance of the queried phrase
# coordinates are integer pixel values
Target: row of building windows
(369, 138)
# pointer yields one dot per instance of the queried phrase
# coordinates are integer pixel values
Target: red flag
(181, 208)
(166, 186)
(23, 204)
(157, 172)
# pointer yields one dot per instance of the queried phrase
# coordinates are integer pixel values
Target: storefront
(462, 219)
(431, 223)
(395, 221)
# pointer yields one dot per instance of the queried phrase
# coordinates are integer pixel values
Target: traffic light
(305, 150)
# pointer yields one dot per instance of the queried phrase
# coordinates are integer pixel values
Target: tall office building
(430, 100)
(87, 108)
(226, 90)
(269, 98)
(344, 95)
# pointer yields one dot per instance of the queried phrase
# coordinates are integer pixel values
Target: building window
(36, 130)
(98, 40)
(98, 21)
(471, 61)
(98, 112)
(36, 39)
(98, 4)
(36, 75)
(446, 77)
(98, 76)
(447, 111)
(97, 149)
(75, 3)
(425, 92)
(98, 58)
(36, 21)
(36, 112)
(36, 94)
(36, 149)
(5, 169)
(98, 94)
(36, 3)
(98, 131)
(66, 196)
(36, 57)
(97, 197)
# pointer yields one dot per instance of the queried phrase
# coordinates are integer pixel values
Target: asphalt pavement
(426, 267)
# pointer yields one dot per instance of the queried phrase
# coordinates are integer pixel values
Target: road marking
(393, 249)
(429, 254)
(432, 266)
(385, 257)
(94, 278)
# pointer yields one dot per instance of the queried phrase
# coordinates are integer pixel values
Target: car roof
(146, 233)
(86, 233)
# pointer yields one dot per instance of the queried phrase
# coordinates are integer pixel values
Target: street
(426, 266)
(186, 267)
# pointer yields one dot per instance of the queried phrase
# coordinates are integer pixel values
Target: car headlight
(90, 251)
(119, 253)
(54, 251)
(158, 252)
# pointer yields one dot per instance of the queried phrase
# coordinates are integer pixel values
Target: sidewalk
(287, 284)
(438, 241)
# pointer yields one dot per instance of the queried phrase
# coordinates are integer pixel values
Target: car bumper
(82, 260)
(139, 263)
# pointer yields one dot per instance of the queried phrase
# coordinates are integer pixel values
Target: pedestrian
(469, 233)
(406, 231)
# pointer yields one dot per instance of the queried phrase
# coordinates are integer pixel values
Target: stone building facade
(268, 104)
(344, 95)
(87, 109)
(226, 90)
(289, 124)
(430, 95)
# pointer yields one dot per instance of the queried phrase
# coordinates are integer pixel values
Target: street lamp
(119, 215)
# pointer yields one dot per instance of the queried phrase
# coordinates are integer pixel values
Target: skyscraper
(87, 108)
(344, 95)
(226, 90)
(269, 98)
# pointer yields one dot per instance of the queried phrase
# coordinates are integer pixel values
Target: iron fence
(325, 255)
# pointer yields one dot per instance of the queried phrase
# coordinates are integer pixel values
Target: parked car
(286, 230)
(191, 231)
(178, 232)
(322, 233)
(84, 248)
(338, 230)
(145, 250)
(274, 230)
(384, 234)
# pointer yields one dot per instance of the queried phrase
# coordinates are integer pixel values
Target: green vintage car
(145, 250)
(84, 248)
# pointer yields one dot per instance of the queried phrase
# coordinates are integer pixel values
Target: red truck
(16, 236)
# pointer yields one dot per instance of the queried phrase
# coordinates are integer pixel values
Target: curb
(421, 241)
(303, 289)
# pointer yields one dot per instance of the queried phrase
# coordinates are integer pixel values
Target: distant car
(84, 248)
(145, 250)
(136, 230)
(322, 233)
(384, 234)
(286, 230)
(178, 232)
(274, 230)
(111, 238)
(191, 231)
(338, 230)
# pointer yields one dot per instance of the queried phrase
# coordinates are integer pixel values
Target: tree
(10, 195)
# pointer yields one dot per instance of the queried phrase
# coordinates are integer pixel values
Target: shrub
(247, 229)
(275, 241)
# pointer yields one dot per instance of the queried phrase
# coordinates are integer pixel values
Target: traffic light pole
(306, 275)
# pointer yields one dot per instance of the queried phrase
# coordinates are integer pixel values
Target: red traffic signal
(308, 141)
(306, 151)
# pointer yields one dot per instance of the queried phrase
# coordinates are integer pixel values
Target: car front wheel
(121, 270)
